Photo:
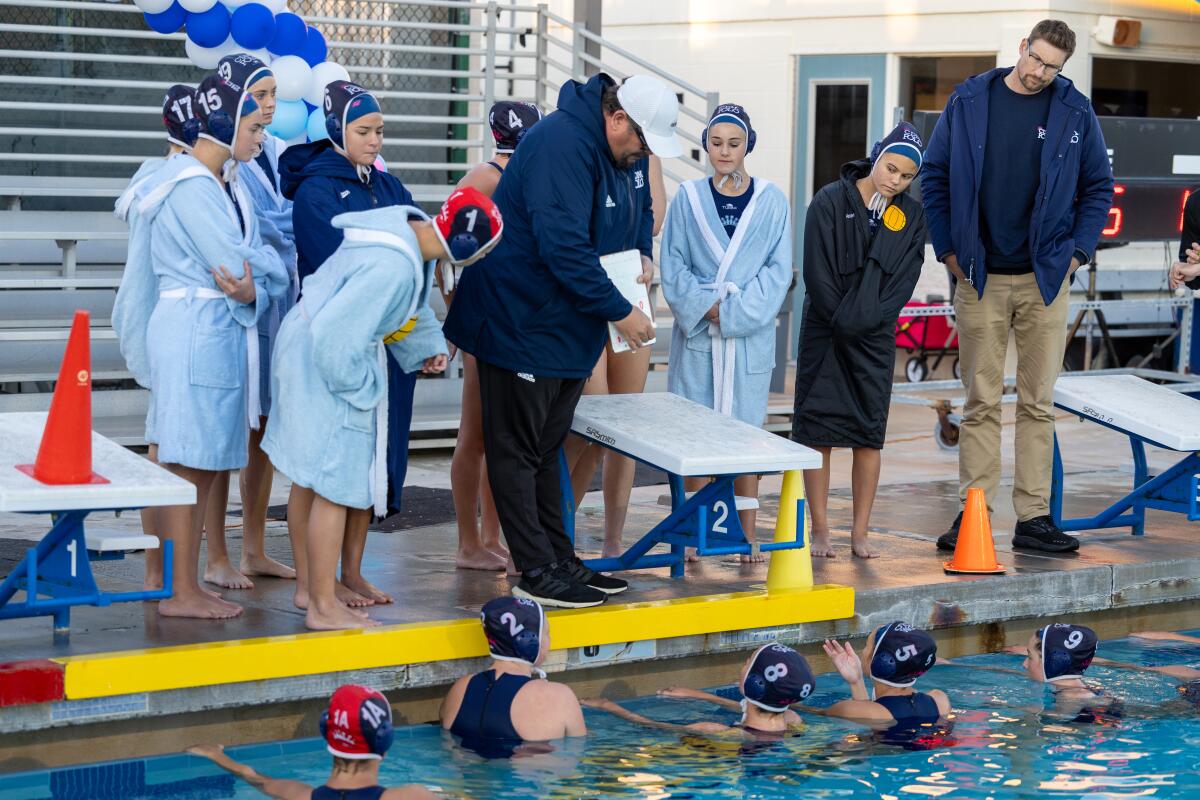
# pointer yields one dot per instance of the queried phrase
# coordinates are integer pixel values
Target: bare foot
(510, 568)
(222, 573)
(365, 588)
(198, 606)
(689, 556)
(611, 549)
(266, 566)
(337, 618)
(821, 546)
(861, 547)
(480, 559)
(496, 547)
(756, 558)
(155, 584)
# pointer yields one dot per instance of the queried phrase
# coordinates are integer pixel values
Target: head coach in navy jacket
(1017, 187)
(534, 313)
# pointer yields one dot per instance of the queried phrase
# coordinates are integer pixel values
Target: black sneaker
(553, 585)
(949, 539)
(597, 580)
(1040, 533)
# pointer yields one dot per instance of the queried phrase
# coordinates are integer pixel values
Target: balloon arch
(295, 51)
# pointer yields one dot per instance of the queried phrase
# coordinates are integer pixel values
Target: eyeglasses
(637, 130)
(1050, 69)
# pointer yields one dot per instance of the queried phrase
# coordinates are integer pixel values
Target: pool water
(1005, 741)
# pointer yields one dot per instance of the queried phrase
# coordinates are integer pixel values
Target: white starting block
(56, 573)
(104, 544)
(740, 503)
(686, 439)
(1147, 413)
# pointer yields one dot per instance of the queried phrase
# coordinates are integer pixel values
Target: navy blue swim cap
(778, 677)
(904, 140)
(902, 654)
(513, 627)
(1190, 691)
(344, 103)
(243, 69)
(179, 115)
(222, 103)
(1067, 650)
(510, 120)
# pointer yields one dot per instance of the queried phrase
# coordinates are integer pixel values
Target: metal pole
(1185, 340)
(539, 67)
(489, 75)
(711, 101)
(578, 45)
(589, 16)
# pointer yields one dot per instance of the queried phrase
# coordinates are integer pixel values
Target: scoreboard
(1156, 165)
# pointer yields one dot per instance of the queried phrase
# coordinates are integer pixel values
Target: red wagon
(922, 337)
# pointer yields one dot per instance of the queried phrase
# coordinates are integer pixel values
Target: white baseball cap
(655, 109)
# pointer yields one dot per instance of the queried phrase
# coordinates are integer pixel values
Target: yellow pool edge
(275, 657)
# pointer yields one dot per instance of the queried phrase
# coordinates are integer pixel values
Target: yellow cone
(790, 569)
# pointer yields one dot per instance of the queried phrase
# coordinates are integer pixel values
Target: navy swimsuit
(366, 793)
(484, 719)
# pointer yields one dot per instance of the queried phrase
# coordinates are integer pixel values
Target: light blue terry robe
(274, 212)
(138, 292)
(751, 292)
(329, 377)
(197, 344)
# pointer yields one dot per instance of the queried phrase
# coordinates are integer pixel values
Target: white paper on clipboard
(624, 269)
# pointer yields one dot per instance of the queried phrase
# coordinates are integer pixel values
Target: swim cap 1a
(510, 121)
(179, 115)
(469, 225)
(513, 627)
(1067, 650)
(778, 677)
(358, 724)
(902, 654)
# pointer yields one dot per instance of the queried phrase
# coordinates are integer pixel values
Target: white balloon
(262, 55)
(299, 138)
(324, 74)
(207, 57)
(153, 6)
(197, 6)
(232, 4)
(276, 6)
(293, 77)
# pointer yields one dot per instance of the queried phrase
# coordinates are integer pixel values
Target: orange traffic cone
(975, 552)
(65, 454)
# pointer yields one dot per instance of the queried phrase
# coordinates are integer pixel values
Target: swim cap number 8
(775, 672)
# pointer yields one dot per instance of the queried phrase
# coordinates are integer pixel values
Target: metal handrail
(480, 76)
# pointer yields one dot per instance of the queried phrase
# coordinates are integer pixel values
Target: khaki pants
(1009, 302)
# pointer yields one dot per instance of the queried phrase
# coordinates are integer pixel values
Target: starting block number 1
(73, 549)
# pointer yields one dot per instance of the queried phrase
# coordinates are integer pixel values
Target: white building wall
(747, 50)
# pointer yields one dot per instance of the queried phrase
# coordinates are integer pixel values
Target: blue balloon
(168, 21)
(316, 126)
(290, 35)
(315, 50)
(209, 28)
(253, 26)
(290, 120)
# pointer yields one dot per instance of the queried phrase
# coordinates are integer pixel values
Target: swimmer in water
(357, 730)
(496, 710)
(894, 656)
(773, 678)
(1188, 677)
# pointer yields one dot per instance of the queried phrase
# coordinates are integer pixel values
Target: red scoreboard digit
(1146, 209)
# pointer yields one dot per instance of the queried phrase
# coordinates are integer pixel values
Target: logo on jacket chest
(639, 180)
(1041, 133)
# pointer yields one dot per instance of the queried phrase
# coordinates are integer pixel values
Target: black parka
(856, 284)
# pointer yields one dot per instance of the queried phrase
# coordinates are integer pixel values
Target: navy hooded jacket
(540, 302)
(322, 183)
(1073, 198)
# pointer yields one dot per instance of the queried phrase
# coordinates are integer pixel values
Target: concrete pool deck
(1122, 582)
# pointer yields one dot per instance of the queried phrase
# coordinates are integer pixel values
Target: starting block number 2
(721, 512)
